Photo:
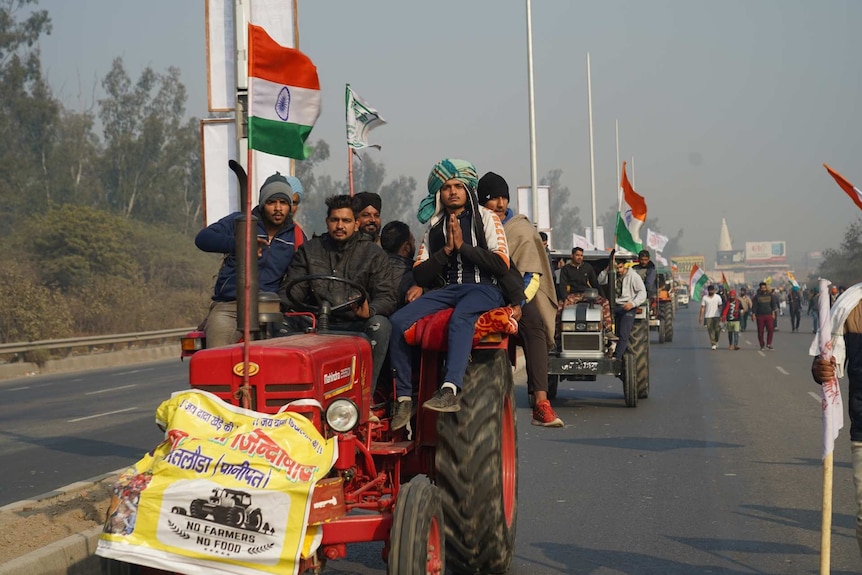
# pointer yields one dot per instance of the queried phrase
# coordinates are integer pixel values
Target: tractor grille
(582, 342)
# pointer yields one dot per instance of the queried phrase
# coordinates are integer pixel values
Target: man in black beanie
(536, 326)
(367, 206)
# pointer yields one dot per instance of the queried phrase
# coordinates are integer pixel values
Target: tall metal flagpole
(617, 170)
(592, 153)
(534, 183)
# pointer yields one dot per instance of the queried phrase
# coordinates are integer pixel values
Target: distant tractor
(662, 306)
(583, 351)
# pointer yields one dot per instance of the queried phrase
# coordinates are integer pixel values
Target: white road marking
(110, 389)
(782, 370)
(19, 388)
(816, 396)
(101, 415)
(134, 371)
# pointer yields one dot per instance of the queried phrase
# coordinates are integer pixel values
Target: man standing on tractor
(536, 326)
(465, 246)
(344, 252)
(278, 237)
(630, 293)
(646, 270)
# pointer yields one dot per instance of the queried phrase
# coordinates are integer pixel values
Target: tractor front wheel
(417, 537)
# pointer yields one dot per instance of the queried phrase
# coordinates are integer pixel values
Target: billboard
(685, 263)
(730, 257)
(765, 252)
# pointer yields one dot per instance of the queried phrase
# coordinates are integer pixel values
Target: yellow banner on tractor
(227, 492)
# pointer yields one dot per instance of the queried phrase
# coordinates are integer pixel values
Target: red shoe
(544, 416)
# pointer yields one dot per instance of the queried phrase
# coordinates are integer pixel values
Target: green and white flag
(361, 119)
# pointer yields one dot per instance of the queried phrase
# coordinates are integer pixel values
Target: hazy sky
(728, 108)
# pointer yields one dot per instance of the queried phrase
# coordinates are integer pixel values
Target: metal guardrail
(93, 341)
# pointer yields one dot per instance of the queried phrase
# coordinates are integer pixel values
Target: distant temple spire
(724, 243)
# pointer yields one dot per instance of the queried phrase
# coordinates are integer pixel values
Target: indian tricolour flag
(284, 97)
(696, 281)
(845, 185)
(630, 217)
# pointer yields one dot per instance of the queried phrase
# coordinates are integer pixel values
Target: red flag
(851, 190)
(724, 283)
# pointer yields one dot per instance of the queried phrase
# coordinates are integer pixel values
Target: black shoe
(769, 347)
(444, 400)
(401, 413)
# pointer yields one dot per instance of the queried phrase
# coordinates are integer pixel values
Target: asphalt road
(718, 472)
(59, 429)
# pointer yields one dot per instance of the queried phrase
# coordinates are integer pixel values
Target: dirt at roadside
(47, 521)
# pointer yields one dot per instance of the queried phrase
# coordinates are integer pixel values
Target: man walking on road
(710, 310)
(745, 300)
(765, 308)
(730, 316)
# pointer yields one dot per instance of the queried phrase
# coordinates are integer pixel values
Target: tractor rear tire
(639, 347)
(477, 468)
(196, 509)
(667, 322)
(630, 387)
(553, 384)
(416, 543)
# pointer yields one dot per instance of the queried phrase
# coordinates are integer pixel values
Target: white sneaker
(713, 347)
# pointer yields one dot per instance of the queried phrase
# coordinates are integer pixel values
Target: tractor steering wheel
(316, 309)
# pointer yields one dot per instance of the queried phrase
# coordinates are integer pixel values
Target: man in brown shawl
(536, 326)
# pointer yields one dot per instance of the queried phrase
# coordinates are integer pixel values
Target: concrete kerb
(74, 555)
(91, 361)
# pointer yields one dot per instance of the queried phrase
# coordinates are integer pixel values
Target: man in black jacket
(343, 252)
(764, 307)
(397, 241)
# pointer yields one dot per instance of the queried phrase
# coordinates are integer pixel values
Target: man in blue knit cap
(465, 246)
(278, 238)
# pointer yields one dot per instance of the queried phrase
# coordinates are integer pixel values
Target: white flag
(656, 241)
(830, 392)
(660, 259)
(361, 119)
(581, 242)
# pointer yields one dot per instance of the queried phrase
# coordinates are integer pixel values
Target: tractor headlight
(342, 415)
(567, 326)
(594, 326)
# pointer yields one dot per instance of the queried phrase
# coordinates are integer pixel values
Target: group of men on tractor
(475, 255)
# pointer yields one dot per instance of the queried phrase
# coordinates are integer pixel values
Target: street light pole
(534, 194)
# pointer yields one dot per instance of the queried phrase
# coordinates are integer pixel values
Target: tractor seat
(591, 294)
(431, 332)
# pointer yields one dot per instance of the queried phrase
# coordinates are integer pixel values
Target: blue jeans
(470, 301)
(624, 321)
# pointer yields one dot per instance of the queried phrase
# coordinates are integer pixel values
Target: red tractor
(440, 493)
